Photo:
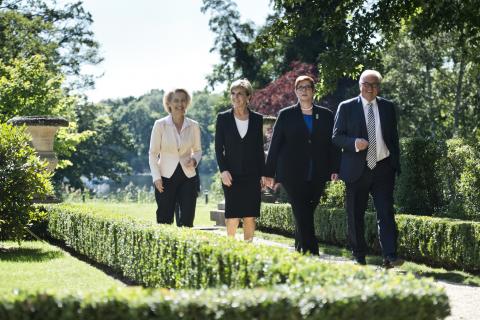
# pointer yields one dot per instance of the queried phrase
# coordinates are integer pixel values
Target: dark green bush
(435, 241)
(22, 178)
(419, 187)
(166, 256)
(460, 169)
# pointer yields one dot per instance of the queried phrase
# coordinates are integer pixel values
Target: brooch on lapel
(316, 116)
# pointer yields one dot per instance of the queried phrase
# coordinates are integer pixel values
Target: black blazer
(350, 124)
(293, 146)
(239, 156)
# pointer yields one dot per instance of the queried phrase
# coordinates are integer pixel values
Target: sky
(156, 44)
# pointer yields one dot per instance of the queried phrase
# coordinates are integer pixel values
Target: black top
(350, 124)
(293, 147)
(240, 156)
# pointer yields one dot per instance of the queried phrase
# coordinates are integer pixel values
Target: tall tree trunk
(458, 91)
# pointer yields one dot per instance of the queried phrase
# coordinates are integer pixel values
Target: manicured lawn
(37, 265)
(146, 211)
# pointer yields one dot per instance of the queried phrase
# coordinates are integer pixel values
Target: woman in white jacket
(175, 151)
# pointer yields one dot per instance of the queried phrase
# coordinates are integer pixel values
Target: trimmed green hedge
(436, 241)
(340, 302)
(286, 285)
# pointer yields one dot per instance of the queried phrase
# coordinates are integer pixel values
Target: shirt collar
(186, 122)
(365, 102)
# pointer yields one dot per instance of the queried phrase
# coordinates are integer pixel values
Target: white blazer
(168, 147)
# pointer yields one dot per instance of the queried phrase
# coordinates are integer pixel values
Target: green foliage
(460, 169)
(419, 186)
(28, 88)
(59, 33)
(334, 195)
(23, 177)
(340, 303)
(439, 178)
(159, 255)
(428, 78)
(435, 241)
(102, 147)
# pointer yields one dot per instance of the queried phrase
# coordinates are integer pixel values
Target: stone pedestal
(43, 130)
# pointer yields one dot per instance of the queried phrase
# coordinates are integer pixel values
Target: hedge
(441, 242)
(170, 257)
(340, 302)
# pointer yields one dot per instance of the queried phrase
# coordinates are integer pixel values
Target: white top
(382, 150)
(168, 147)
(242, 127)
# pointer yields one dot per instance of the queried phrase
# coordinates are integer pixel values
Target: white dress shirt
(382, 150)
(168, 147)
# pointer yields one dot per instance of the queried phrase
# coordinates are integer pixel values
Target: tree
(422, 76)
(238, 56)
(103, 153)
(61, 35)
(27, 87)
(281, 92)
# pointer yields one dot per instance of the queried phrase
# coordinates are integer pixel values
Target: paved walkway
(464, 300)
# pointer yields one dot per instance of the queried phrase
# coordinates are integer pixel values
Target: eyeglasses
(369, 85)
(304, 88)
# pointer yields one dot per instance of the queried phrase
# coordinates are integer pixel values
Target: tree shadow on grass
(22, 254)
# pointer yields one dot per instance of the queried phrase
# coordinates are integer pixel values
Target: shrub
(461, 180)
(419, 187)
(436, 241)
(293, 286)
(285, 303)
(23, 177)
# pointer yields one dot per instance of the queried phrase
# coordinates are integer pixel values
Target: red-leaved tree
(281, 92)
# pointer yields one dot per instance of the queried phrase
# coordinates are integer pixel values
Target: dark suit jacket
(350, 124)
(293, 146)
(239, 156)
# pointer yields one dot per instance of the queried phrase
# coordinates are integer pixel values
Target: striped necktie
(372, 139)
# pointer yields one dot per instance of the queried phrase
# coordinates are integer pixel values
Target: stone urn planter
(43, 130)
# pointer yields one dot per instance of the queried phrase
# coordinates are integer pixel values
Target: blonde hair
(168, 96)
(242, 83)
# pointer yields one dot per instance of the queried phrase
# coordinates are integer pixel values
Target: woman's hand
(226, 178)
(191, 163)
(159, 185)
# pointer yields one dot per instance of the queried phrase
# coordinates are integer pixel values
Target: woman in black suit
(302, 157)
(240, 158)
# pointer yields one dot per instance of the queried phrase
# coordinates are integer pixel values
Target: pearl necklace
(306, 109)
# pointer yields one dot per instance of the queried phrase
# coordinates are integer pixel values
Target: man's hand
(159, 185)
(361, 144)
(226, 178)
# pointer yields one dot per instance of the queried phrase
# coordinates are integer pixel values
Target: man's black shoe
(360, 261)
(391, 262)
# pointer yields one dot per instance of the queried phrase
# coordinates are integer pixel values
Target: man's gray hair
(370, 73)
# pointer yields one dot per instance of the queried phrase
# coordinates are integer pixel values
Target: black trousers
(380, 183)
(178, 190)
(304, 197)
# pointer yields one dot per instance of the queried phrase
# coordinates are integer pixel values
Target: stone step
(218, 216)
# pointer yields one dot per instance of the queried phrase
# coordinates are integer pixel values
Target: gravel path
(464, 300)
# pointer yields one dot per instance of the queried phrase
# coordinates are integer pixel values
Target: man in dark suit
(302, 158)
(366, 131)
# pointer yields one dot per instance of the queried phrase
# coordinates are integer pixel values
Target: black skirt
(242, 198)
